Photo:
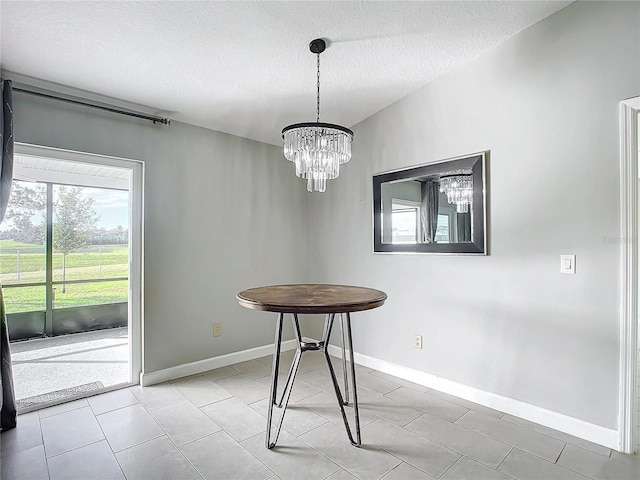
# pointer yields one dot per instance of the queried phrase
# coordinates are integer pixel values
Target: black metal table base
(347, 349)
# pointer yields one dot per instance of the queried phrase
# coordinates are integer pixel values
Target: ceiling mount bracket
(317, 46)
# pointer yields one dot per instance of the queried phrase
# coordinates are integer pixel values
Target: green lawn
(27, 299)
(10, 243)
(28, 266)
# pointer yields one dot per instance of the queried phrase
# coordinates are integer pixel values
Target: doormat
(57, 395)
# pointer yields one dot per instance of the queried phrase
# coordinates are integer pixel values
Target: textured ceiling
(244, 67)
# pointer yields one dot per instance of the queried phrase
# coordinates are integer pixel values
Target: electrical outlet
(217, 329)
(417, 342)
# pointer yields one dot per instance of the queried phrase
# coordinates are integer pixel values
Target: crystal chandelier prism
(458, 187)
(317, 149)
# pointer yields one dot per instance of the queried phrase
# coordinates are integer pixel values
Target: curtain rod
(154, 119)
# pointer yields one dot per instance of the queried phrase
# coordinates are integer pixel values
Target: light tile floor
(212, 426)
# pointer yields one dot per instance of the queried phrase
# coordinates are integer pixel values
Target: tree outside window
(75, 223)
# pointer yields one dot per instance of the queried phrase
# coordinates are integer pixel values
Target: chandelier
(316, 148)
(458, 186)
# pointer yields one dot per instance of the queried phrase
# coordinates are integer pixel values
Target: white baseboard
(193, 368)
(557, 421)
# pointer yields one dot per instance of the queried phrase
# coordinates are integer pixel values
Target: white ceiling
(244, 67)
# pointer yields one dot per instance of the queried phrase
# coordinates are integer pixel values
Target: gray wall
(545, 103)
(222, 214)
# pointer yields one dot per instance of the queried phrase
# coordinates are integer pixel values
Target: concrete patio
(50, 369)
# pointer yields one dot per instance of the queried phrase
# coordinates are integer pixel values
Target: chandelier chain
(318, 92)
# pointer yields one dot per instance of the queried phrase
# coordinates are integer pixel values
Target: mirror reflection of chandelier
(458, 186)
(316, 148)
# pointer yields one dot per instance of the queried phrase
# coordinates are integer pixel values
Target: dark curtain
(429, 192)
(464, 227)
(8, 405)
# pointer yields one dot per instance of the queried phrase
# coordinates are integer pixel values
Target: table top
(311, 298)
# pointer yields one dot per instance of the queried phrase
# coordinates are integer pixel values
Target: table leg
(353, 378)
(344, 362)
(349, 344)
(296, 359)
(274, 378)
(286, 394)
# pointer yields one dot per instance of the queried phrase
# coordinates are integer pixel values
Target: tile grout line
(165, 434)
(318, 452)
(252, 455)
(504, 473)
(44, 448)
(589, 452)
(436, 442)
(178, 448)
(105, 439)
(387, 393)
(77, 448)
(407, 461)
(560, 454)
(505, 457)
(559, 439)
(562, 466)
(522, 449)
(450, 467)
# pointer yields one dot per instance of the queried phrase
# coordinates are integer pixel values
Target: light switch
(567, 263)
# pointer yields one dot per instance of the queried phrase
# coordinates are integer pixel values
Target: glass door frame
(136, 241)
(629, 111)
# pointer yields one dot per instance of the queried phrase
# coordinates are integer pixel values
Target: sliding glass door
(71, 269)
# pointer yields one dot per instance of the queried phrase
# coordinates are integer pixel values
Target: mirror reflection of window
(442, 232)
(405, 223)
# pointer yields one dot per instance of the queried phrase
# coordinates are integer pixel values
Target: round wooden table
(313, 299)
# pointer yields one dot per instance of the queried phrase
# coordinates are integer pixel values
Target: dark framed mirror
(434, 208)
